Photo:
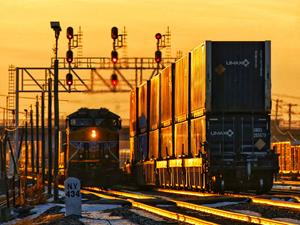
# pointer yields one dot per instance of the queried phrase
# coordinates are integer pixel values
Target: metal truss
(90, 74)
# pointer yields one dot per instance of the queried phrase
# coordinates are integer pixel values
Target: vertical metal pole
(49, 135)
(6, 112)
(56, 129)
(1, 160)
(32, 140)
(17, 114)
(43, 133)
(3, 119)
(26, 144)
(37, 136)
(5, 171)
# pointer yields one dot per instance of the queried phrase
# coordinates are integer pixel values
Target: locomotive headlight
(93, 133)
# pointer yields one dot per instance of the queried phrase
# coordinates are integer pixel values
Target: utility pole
(56, 27)
(26, 144)
(49, 135)
(43, 132)
(276, 110)
(37, 136)
(290, 114)
(32, 140)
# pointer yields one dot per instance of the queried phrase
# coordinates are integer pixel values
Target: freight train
(204, 122)
(92, 147)
(289, 159)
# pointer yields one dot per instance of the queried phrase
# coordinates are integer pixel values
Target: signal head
(158, 56)
(114, 33)
(158, 36)
(69, 79)
(114, 56)
(70, 33)
(69, 56)
(114, 80)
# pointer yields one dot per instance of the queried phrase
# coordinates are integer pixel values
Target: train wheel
(264, 184)
(218, 184)
(260, 186)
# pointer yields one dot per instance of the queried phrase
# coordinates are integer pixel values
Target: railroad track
(187, 210)
(149, 208)
(254, 198)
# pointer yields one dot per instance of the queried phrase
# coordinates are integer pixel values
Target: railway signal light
(70, 33)
(69, 56)
(114, 80)
(69, 79)
(114, 56)
(158, 56)
(114, 33)
(158, 36)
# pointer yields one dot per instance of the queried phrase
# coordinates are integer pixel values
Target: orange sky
(27, 40)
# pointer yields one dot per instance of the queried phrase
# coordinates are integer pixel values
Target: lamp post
(56, 27)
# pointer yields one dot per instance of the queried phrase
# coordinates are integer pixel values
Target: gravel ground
(138, 219)
(207, 217)
(265, 211)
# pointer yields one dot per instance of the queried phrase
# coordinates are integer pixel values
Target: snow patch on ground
(248, 212)
(283, 200)
(147, 214)
(219, 204)
(103, 219)
(93, 215)
(287, 220)
(37, 211)
(94, 207)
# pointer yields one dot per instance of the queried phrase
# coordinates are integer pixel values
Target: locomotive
(204, 122)
(92, 147)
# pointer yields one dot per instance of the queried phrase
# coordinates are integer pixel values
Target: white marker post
(72, 196)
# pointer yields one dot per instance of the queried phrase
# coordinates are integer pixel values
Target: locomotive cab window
(81, 122)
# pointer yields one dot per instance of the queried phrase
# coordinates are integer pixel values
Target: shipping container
(154, 102)
(166, 96)
(142, 107)
(166, 142)
(133, 112)
(198, 135)
(142, 147)
(181, 88)
(237, 77)
(153, 144)
(181, 139)
(198, 75)
(289, 157)
(234, 134)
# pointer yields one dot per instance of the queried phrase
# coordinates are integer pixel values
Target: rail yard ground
(109, 207)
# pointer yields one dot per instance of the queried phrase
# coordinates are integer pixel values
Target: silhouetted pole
(56, 27)
(43, 133)
(5, 171)
(37, 136)
(1, 160)
(32, 139)
(56, 129)
(290, 112)
(49, 135)
(26, 144)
